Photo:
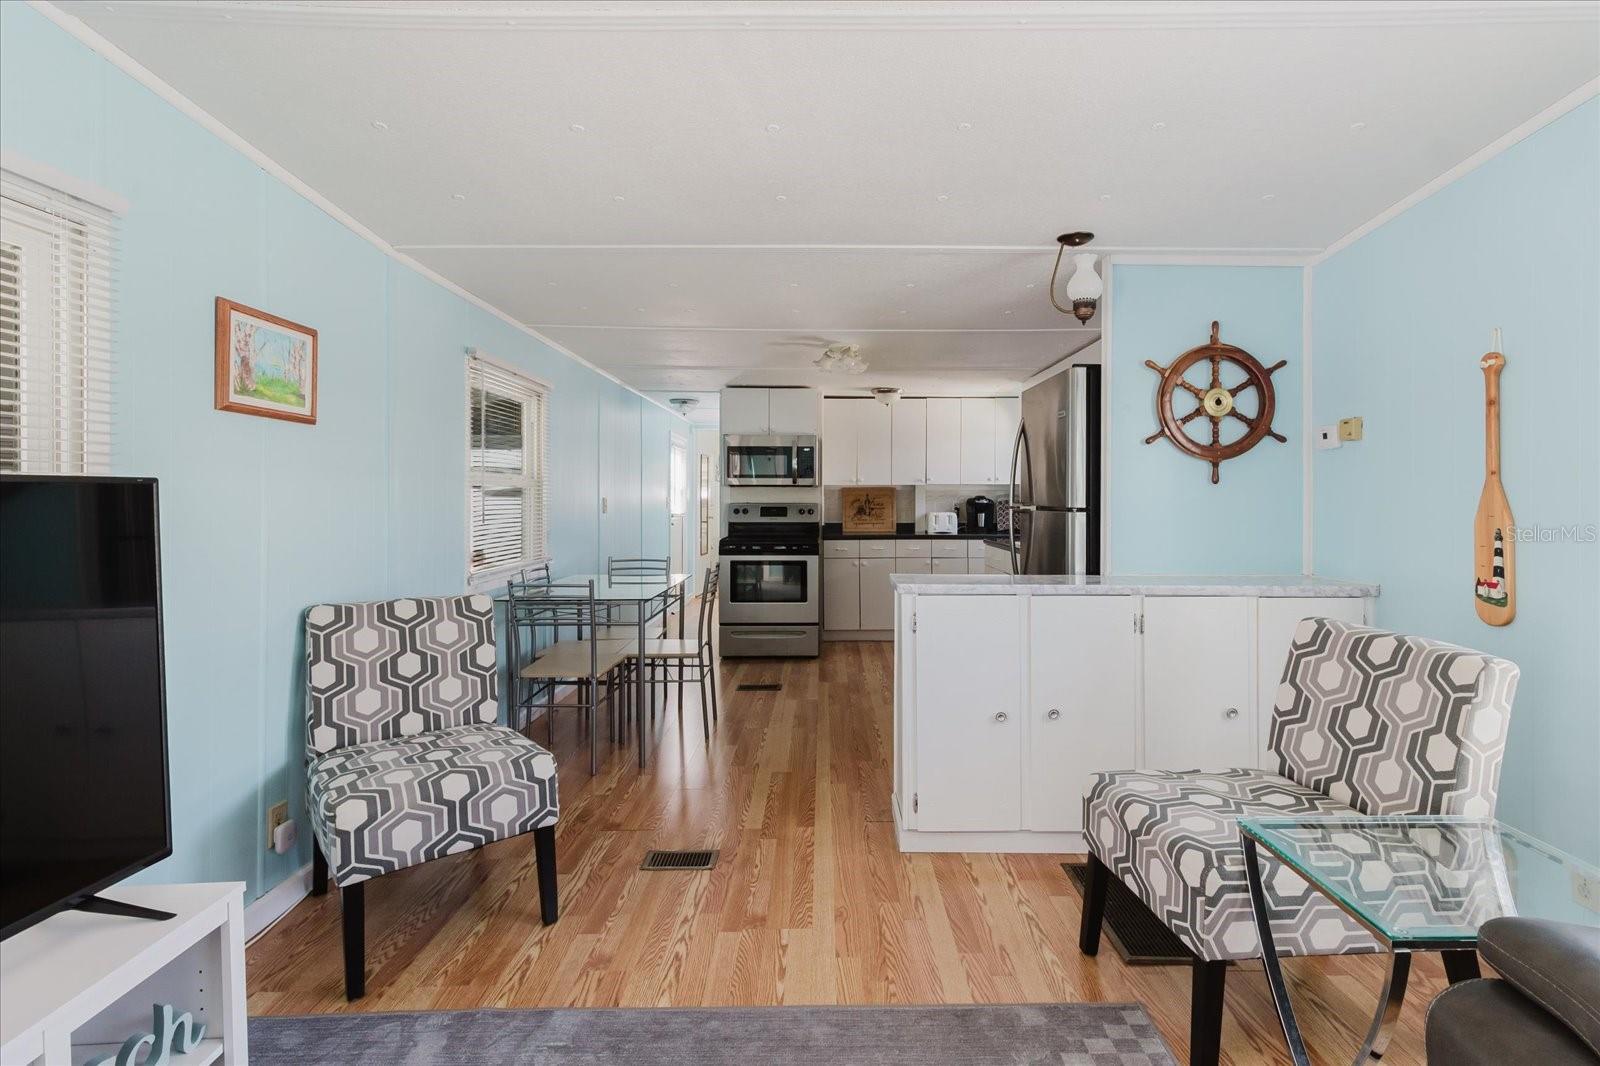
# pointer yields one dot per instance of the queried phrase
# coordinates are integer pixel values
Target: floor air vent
(761, 686)
(678, 860)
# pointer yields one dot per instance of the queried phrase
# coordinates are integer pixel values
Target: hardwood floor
(811, 902)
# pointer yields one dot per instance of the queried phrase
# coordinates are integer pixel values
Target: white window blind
(507, 441)
(56, 300)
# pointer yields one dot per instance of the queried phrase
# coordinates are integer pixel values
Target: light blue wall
(1400, 319)
(260, 517)
(1163, 514)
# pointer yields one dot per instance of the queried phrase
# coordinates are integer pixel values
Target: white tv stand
(77, 985)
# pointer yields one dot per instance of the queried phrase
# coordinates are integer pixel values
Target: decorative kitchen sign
(1494, 531)
(868, 510)
(1215, 402)
(265, 365)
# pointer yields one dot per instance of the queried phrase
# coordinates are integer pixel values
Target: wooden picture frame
(265, 365)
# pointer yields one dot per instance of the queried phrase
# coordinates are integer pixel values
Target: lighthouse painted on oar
(1494, 555)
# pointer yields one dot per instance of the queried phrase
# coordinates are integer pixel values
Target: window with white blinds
(56, 259)
(507, 441)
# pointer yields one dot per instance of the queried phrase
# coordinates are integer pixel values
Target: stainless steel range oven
(777, 460)
(770, 599)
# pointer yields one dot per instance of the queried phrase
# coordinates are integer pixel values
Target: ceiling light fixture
(886, 394)
(845, 358)
(1084, 288)
(684, 404)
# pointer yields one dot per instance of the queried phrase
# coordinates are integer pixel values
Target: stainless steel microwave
(772, 460)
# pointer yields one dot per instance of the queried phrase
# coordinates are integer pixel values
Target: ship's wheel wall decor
(1216, 403)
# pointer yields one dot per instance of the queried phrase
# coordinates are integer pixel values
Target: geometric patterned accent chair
(1365, 721)
(405, 759)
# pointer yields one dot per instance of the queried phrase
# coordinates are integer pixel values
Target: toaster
(941, 521)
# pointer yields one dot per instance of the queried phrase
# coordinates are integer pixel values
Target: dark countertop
(905, 531)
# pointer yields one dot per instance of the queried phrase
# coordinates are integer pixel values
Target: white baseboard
(260, 915)
(1000, 842)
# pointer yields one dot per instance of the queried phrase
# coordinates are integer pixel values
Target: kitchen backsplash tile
(913, 501)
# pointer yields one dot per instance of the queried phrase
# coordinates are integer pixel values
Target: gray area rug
(1062, 1034)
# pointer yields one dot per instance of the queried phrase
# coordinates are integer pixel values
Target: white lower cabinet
(950, 566)
(841, 593)
(1198, 682)
(1082, 697)
(969, 725)
(1006, 704)
(877, 598)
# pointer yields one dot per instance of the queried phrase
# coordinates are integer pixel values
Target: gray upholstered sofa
(405, 758)
(1365, 721)
(1545, 1008)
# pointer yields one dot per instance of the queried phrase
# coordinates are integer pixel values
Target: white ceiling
(688, 194)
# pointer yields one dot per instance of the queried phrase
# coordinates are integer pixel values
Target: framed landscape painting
(266, 365)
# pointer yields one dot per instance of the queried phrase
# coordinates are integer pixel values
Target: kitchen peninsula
(1011, 690)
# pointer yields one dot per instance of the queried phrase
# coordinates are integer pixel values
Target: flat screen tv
(83, 734)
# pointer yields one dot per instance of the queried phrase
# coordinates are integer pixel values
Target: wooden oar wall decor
(1494, 530)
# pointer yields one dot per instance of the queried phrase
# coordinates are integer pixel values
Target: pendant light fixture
(1084, 288)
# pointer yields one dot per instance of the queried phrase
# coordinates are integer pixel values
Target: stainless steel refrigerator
(1055, 476)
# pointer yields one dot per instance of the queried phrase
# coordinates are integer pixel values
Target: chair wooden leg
(1095, 884)
(319, 869)
(544, 855)
(353, 900)
(1208, 980)
(1461, 965)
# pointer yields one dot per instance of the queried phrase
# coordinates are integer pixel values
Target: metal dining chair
(686, 654)
(589, 665)
(642, 568)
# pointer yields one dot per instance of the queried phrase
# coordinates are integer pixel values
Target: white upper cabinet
(940, 440)
(909, 442)
(873, 442)
(944, 441)
(839, 436)
(977, 440)
(1007, 413)
(765, 411)
(793, 411)
(744, 411)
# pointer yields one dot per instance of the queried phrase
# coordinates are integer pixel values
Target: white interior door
(678, 503)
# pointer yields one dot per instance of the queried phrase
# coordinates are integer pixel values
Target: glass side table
(1418, 883)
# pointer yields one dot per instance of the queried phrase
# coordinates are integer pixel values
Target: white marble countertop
(1126, 585)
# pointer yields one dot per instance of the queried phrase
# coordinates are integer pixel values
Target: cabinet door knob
(1231, 713)
(1000, 716)
(1055, 714)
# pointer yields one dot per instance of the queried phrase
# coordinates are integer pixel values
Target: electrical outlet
(1350, 428)
(1327, 438)
(1586, 890)
(277, 814)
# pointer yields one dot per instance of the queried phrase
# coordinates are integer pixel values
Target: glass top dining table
(650, 594)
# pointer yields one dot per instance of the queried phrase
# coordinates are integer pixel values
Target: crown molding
(144, 76)
(1577, 97)
(1024, 16)
(1167, 254)
(812, 329)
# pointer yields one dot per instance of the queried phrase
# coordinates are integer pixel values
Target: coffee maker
(980, 514)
